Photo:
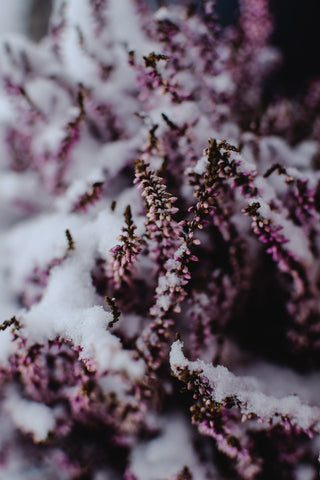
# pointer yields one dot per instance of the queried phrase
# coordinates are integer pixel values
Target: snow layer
(225, 385)
(31, 417)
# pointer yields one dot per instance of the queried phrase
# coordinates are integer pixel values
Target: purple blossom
(155, 190)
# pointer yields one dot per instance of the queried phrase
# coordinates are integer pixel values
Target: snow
(68, 307)
(13, 16)
(34, 243)
(126, 29)
(278, 380)
(297, 240)
(246, 390)
(200, 166)
(80, 67)
(275, 149)
(222, 83)
(31, 417)
(304, 472)
(162, 14)
(7, 347)
(167, 454)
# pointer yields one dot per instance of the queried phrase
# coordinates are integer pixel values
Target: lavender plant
(160, 313)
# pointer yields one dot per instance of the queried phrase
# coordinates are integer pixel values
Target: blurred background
(29, 17)
(296, 31)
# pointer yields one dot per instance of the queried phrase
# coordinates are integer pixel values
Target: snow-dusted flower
(168, 120)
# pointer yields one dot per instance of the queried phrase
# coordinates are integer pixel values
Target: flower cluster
(223, 401)
(125, 254)
(157, 193)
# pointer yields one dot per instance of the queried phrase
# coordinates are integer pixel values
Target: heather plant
(160, 249)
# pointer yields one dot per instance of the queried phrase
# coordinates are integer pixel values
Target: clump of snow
(30, 417)
(166, 455)
(225, 384)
